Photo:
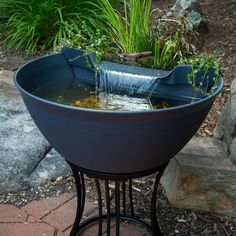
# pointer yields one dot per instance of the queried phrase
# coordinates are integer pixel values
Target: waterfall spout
(124, 79)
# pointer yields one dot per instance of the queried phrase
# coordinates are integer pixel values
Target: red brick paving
(41, 208)
(32, 229)
(33, 219)
(63, 217)
(52, 217)
(10, 214)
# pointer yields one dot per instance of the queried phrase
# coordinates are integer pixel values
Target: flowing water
(121, 90)
(125, 79)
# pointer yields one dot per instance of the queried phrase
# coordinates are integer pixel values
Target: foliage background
(40, 24)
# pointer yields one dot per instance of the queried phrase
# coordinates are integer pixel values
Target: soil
(220, 18)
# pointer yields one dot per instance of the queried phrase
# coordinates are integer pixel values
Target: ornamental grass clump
(130, 30)
(34, 25)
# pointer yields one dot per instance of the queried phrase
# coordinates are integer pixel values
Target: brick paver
(53, 217)
(9, 213)
(32, 219)
(62, 234)
(43, 207)
(63, 217)
(33, 229)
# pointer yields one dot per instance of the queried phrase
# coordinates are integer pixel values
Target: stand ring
(120, 202)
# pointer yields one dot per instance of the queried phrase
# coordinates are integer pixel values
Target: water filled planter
(116, 142)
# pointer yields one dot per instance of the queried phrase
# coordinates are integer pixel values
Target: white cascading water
(120, 87)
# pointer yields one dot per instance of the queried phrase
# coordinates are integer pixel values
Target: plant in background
(172, 42)
(165, 53)
(232, 8)
(40, 24)
(130, 31)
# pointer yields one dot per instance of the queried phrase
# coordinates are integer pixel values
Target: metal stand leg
(80, 188)
(120, 203)
(153, 216)
(108, 208)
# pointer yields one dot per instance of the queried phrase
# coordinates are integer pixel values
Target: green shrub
(39, 24)
(91, 41)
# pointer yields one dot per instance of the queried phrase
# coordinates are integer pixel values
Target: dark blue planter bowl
(107, 141)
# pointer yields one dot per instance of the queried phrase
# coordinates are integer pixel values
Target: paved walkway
(51, 217)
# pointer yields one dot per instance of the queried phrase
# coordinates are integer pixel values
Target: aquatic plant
(201, 64)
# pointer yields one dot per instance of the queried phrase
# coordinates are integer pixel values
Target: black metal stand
(120, 188)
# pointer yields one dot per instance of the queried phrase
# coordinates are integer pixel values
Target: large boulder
(22, 147)
(201, 177)
(51, 166)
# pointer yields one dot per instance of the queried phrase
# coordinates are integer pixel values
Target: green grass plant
(165, 55)
(40, 24)
(130, 30)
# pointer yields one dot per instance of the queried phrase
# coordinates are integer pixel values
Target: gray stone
(192, 11)
(233, 100)
(194, 19)
(49, 169)
(232, 154)
(201, 178)
(23, 149)
(222, 123)
(205, 146)
(226, 126)
(21, 145)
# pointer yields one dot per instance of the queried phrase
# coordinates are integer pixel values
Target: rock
(222, 122)
(205, 147)
(226, 126)
(22, 146)
(203, 180)
(49, 169)
(191, 9)
(232, 155)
